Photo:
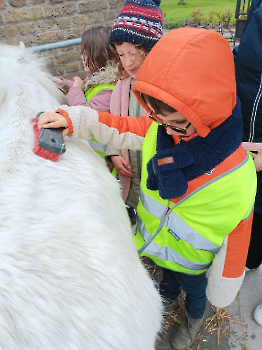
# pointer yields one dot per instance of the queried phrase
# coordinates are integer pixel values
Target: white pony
(70, 276)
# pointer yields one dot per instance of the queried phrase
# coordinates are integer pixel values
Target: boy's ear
(22, 45)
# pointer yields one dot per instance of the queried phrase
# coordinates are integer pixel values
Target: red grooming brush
(49, 143)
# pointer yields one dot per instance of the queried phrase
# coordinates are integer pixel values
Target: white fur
(70, 276)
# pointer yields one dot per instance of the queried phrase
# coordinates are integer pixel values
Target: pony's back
(70, 276)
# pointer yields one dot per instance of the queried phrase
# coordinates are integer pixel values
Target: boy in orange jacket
(198, 184)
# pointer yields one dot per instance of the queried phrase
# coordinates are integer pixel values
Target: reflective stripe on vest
(94, 90)
(179, 229)
(96, 145)
(167, 253)
(182, 236)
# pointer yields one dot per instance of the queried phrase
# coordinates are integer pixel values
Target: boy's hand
(78, 82)
(121, 165)
(53, 120)
(255, 147)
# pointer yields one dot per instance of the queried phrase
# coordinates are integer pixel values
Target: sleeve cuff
(69, 121)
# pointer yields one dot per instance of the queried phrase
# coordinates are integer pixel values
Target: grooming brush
(49, 143)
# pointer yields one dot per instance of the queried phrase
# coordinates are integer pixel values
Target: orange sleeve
(69, 121)
(137, 126)
(237, 249)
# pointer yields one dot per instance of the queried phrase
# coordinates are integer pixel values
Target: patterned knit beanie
(139, 22)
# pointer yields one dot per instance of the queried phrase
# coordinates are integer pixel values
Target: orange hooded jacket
(192, 70)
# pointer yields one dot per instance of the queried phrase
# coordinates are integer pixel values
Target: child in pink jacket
(96, 89)
(101, 73)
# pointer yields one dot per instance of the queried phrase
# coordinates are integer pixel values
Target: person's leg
(195, 288)
(169, 286)
(254, 257)
(169, 290)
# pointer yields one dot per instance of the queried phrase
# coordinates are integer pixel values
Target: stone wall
(37, 22)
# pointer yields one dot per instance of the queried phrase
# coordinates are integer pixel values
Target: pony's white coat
(70, 276)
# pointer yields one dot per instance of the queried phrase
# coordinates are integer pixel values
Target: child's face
(86, 67)
(177, 120)
(131, 58)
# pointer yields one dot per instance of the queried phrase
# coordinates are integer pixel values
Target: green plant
(197, 16)
(204, 20)
(171, 23)
(210, 16)
(225, 16)
(164, 13)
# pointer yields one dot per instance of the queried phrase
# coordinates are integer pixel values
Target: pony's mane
(18, 65)
(25, 90)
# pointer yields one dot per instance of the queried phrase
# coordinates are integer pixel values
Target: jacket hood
(191, 70)
(108, 75)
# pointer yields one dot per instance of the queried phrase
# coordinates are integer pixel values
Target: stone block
(2, 4)
(28, 14)
(17, 3)
(75, 32)
(81, 74)
(110, 15)
(63, 22)
(95, 17)
(49, 53)
(16, 41)
(60, 10)
(67, 48)
(37, 2)
(115, 4)
(26, 28)
(47, 25)
(45, 38)
(72, 67)
(57, 71)
(67, 57)
(49, 62)
(89, 6)
(80, 20)
(7, 31)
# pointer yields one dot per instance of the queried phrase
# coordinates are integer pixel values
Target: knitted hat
(139, 22)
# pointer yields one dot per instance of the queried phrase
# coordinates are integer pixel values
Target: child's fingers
(52, 120)
(126, 164)
(58, 81)
(45, 118)
(52, 125)
(125, 172)
(65, 132)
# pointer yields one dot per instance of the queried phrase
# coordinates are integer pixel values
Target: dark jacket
(248, 65)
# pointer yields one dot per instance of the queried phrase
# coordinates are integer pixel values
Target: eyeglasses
(182, 131)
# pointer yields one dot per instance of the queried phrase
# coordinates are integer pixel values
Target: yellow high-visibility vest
(184, 237)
